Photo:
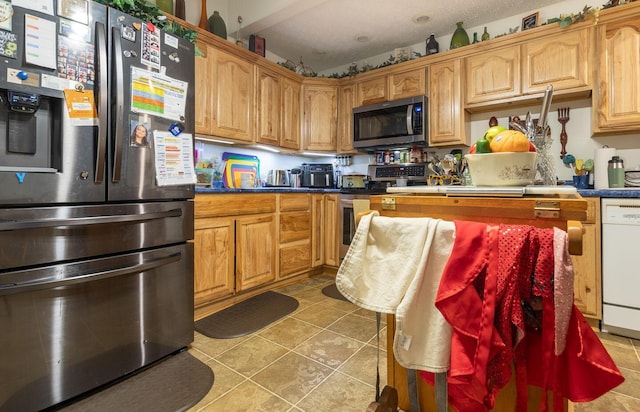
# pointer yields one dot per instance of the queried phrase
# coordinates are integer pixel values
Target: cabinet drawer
(294, 259)
(297, 201)
(211, 205)
(295, 226)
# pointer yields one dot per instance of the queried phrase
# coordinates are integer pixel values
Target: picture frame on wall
(257, 45)
(530, 21)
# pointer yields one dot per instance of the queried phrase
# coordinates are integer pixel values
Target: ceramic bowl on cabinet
(502, 169)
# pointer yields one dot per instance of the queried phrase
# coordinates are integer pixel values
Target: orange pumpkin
(510, 141)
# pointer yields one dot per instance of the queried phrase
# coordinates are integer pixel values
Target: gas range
(383, 176)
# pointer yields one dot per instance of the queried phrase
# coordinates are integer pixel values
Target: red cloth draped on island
(506, 290)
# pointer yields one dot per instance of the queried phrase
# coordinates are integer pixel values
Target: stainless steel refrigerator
(96, 188)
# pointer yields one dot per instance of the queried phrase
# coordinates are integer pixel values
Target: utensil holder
(545, 167)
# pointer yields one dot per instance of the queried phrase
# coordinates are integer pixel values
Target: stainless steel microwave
(402, 122)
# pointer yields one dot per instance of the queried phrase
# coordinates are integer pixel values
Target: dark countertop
(626, 192)
(266, 189)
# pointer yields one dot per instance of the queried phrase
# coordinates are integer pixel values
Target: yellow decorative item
(510, 141)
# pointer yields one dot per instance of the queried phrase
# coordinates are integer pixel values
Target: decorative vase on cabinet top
(485, 35)
(460, 37)
(165, 5)
(432, 45)
(203, 15)
(217, 25)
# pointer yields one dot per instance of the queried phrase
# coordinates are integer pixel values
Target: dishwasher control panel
(624, 211)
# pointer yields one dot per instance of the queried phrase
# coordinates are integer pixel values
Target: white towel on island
(394, 266)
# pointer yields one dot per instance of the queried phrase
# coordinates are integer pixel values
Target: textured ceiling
(322, 33)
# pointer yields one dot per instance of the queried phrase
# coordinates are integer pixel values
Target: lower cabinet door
(255, 251)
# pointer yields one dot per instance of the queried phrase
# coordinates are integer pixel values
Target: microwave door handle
(119, 97)
(103, 104)
(409, 122)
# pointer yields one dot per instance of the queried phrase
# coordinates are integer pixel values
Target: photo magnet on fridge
(139, 133)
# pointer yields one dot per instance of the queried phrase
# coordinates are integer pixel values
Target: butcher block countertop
(534, 205)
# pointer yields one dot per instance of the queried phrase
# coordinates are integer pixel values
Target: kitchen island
(557, 207)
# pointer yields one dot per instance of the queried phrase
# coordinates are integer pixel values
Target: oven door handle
(52, 282)
(89, 220)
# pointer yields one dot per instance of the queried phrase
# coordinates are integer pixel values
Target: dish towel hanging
(507, 295)
(394, 266)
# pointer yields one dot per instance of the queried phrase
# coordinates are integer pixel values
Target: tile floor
(322, 357)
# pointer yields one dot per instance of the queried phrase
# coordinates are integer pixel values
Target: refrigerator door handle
(21, 287)
(103, 103)
(118, 87)
(89, 220)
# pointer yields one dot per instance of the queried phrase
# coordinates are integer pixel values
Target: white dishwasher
(621, 266)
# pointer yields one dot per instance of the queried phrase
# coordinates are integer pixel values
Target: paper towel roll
(600, 165)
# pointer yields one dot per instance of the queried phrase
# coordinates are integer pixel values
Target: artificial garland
(564, 20)
(149, 12)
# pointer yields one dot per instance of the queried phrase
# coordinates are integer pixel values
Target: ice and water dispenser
(29, 132)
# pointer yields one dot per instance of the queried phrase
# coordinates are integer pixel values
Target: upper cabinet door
(203, 72)
(562, 60)
(407, 83)
(346, 102)
(233, 96)
(447, 117)
(616, 105)
(320, 117)
(290, 114)
(493, 75)
(268, 112)
(372, 91)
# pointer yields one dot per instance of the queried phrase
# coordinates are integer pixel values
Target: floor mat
(248, 316)
(175, 383)
(333, 292)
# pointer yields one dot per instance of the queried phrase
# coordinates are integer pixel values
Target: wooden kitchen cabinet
(494, 74)
(448, 121)
(563, 60)
(214, 270)
(232, 82)
(268, 98)
(317, 230)
(320, 111)
(290, 114)
(372, 91)
(235, 244)
(587, 267)
(255, 251)
(203, 102)
(346, 103)
(616, 105)
(407, 83)
(295, 251)
(331, 230)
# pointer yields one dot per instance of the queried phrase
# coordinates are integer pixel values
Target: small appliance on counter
(354, 181)
(278, 178)
(296, 177)
(318, 175)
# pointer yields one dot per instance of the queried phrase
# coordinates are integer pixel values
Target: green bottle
(475, 38)
(165, 5)
(485, 35)
(460, 37)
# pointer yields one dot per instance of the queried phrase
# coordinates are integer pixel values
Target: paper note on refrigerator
(174, 159)
(40, 41)
(157, 94)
